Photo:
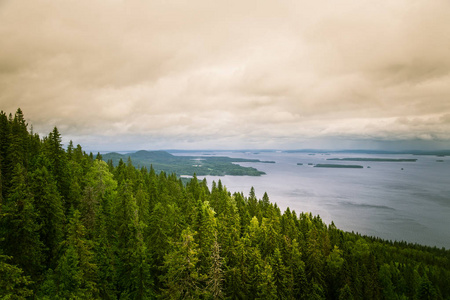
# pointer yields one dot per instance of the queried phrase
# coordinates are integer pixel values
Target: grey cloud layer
(251, 73)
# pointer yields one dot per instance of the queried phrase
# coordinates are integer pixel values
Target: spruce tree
(206, 231)
(48, 204)
(58, 166)
(215, 273)
(13, 284)
(133, 270)
(283, 282)
(266, 288)
(76, 272)
(182, 279)
(19, 227)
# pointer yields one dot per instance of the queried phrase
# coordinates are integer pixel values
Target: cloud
(215, 74)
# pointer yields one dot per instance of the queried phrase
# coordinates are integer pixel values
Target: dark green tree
(19, 226)
(76, 272)
(13, 284)
(134, 263)
(426, 290)
(56, 154)
(281, 276)
(48, 205)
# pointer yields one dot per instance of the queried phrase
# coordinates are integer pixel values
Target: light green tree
(182, 278)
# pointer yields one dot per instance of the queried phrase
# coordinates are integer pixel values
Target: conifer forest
(73, 226)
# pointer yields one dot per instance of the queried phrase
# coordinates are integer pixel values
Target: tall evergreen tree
(13, 284)
(48, 204)
(215, 272)
(76, 272)
(134, 264)
(54, 150)
(206, 231)
(266, 288)
(283, 282)
(19, 226)
(182, 279)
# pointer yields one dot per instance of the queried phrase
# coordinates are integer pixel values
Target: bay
(403, 201)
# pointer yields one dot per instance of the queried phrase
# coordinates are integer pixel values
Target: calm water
(412, 204)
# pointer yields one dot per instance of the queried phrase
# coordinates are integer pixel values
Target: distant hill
(187, 165)
(413, 152)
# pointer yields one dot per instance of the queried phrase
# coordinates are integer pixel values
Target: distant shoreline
(374, 159)
(338, 166)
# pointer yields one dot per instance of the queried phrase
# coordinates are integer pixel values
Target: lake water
(407, 201)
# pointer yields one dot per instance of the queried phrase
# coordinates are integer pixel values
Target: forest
(73, 226)
(187, 165)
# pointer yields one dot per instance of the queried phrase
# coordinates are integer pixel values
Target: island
(375, 159)
(338, 166)
(187, 165)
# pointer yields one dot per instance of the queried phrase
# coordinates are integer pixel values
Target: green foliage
(13, 285)
(75, 227)
(19, 226)
(76, 270)
(48, 204)
(215, 273)
(338, 166)
(375, 159)
(133, 268)
(163, 161)
(182, 279)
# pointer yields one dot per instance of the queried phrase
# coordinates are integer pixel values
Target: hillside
(186, 165)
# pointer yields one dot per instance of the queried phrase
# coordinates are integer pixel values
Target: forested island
(187, 165)
(73, 226)
(375, 159)
(440, 153)
(338, 166)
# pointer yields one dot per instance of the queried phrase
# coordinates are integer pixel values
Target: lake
(407, 201)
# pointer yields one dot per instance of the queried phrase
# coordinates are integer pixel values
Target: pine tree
(297, 269)
(103, 186)
(283, 282)
(346, 293)
(4, 143)
(100, 190)
(19, 226)
(76, 273)
(13, 284)
(215, 273)
(182, 279)
(143, 204)
(48, 205)
(334, 264)
(1, 184)
(252, 203)
(387, 287)
(426, 290)
(17, 151)
(134, 265)
(206, 231)
(314, 266)
(266, 288)
(58, 166)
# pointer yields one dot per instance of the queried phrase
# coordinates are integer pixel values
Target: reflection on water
(393, 200)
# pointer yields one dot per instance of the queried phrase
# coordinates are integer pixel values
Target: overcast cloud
(230, 74)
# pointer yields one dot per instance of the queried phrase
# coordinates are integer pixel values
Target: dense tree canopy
(75, 227)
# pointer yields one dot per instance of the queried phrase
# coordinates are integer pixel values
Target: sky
(235, 74)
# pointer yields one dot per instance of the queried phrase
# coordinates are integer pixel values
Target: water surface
(393, 200)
